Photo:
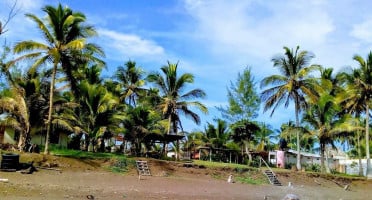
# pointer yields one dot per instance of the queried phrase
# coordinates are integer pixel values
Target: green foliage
(312, 167)
(78, 154)
(173, 101)
(121, 165)
(251, 181)
(243, 99)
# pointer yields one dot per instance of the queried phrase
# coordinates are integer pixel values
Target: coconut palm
(264, 137)
(131, 80)
(13, 101)
(327, 124)
(217, 135)
(97, 109)
(358, 98)
(13, 105)
(139, 123)
(173, 102)
(195, 140)
(65, 38)
(292, 84)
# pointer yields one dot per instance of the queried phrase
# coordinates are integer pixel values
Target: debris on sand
(291, 197)
(4, 180)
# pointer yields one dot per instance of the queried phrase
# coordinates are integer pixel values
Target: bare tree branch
(12, 13)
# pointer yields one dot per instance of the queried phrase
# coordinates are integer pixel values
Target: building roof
(164, 138)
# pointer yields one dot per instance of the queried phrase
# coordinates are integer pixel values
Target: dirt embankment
(86, 178)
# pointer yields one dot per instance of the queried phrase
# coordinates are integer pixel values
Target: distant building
(289, 157)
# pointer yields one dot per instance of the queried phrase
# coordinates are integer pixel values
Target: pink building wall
(280, 156)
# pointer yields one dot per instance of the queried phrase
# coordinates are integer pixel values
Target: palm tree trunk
(298, 164)
(49, 121)
(369, 171)
(322, 166)
(359, 154)
(165, 146)
(2, 133)
(327, 162)
(22, 140)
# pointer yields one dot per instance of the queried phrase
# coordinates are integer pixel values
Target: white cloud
(256, 30)
(363, 31)
(117, 45)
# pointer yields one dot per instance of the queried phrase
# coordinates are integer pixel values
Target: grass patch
(81, 154)
(121, 165)
(209, 164)
(250, 180)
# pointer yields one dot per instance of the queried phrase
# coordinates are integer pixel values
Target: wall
(40, 139)
(352, 166)
(309, 159)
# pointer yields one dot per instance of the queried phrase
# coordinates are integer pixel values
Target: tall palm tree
(292, 84)
(65, 38)
(173, 101)
(360, 95)
(324, 116)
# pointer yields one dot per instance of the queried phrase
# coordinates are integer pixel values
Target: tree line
(62, 91)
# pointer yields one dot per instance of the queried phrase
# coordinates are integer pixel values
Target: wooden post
(2, 133)
(260, 163)
(210, 155)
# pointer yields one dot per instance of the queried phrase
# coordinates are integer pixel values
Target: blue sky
(215, 39)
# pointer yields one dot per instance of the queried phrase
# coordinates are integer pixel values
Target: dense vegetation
(62, 91)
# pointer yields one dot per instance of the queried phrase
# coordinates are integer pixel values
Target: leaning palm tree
(13, 101)
(13, 104)
(292, 84)
(173, 102)
(65, 40)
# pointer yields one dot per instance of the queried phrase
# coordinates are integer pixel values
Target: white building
(290, 158)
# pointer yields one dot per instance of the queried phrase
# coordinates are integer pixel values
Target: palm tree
(173, 102)
(65, 38)
(324, 117)
(139, 123)
(13, 103)
(131, 80)
(293, 84)
(264, 137)
(195, 140)
(360, 96)
(97, 108)
(217, 135)
(287, 130)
